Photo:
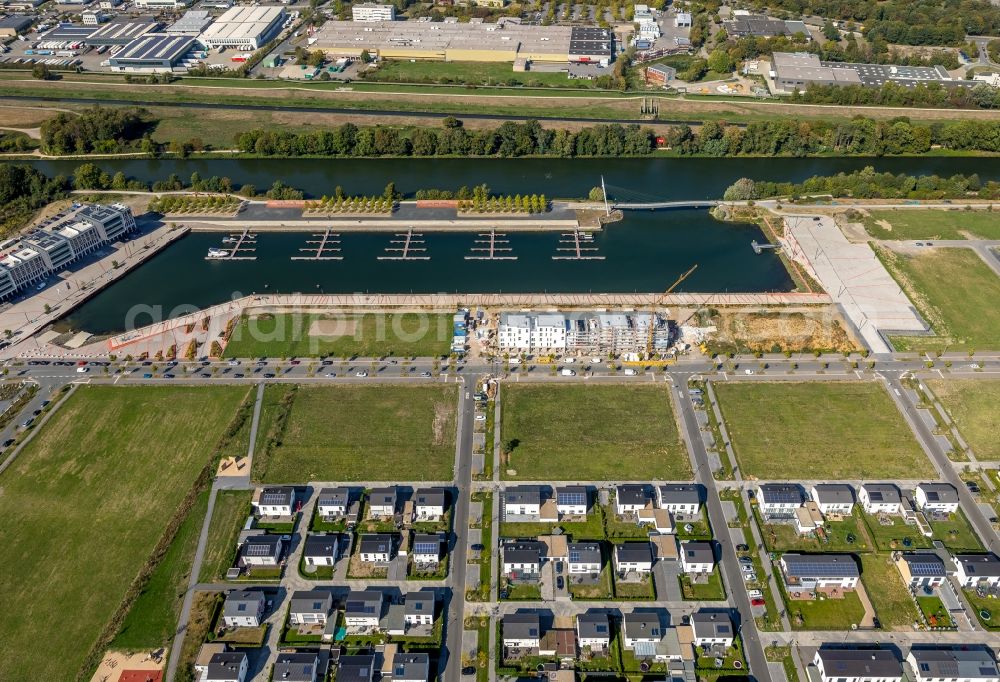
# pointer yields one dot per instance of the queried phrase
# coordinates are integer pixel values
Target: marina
(322, 246)
(491, 245)
(641, 253)
(576, 245)
(237, 246)
(407, 245)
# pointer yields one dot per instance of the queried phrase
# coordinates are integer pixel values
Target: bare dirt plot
(333, 328)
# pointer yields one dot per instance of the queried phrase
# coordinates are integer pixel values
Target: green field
(151, 621)
(972, 405)
(309, 335)
(83, 507)
(475, 73)
(955, 292)
(889, 596)
(592, 432)
(921, 224)
(819, 431)
(232, 507)
(364, 433)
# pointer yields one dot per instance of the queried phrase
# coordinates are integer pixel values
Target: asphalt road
(804, 368)
(731, 572)
(451, 658)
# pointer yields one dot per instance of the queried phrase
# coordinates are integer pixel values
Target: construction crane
(658, 301)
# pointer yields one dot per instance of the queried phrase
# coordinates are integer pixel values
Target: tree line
(895, 95)
(509, 139)
(906, 22)
(868, 184)
(857, 137)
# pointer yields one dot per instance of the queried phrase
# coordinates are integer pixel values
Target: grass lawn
(477, 73)
(837, 536)
(151, 621)
(895, 535)
(591, 529)
(713, 590)
(819, 431)
(523, 591)
(310, 335)
(956, 292)
(357, 433)
(972, 405)
(934, 611)
(97, 486)
(956, 533)
(825, 614)
(921, 224)
(891, 599)
(232, 507)
(575, 432)
(602, 590)
(644, 589)
(990, 605)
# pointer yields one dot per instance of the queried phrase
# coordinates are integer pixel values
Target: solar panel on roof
(572, 498)
(574, 556)
(258, 550)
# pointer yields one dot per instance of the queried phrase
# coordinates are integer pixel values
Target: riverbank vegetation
(868, 184)
(23, 190)
(509, 139)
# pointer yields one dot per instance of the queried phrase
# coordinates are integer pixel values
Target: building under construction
(504, 41)
(584, 333)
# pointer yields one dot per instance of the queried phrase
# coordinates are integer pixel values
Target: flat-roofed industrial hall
(504, 41)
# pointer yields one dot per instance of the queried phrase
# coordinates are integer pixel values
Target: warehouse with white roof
(244, 28)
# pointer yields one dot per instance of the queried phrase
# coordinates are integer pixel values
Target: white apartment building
(373, 11)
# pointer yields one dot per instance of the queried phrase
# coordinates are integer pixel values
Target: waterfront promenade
(70, 287)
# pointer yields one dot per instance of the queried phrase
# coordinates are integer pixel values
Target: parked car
(759, 601)
(480, 417)
(425, 375)
(362, 374)
(631, 372)
(560, 583)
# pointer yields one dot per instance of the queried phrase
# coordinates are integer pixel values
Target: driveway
(665, 574)
(397, 568)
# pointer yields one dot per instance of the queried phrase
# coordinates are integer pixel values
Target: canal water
(645, 252)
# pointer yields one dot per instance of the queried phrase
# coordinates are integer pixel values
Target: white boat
(229, 240)
(217, 253)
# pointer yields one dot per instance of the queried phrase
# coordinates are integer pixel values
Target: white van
(514, 361)
(568, 372)
(82, 370)
(631, 372)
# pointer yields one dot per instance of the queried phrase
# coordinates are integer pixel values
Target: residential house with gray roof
(429, 504)
(383, 502)
(880, 498)
(321, 549)
(634, 556)
(310, 607)
(363, 608)
(593, 631)
(941, 498)
(583, 557)
(356, 668)
(680, 498)
(521, 630)
(377, 548)
(419, 608)
(857, 665)
(947, 664)
(276, 501)
(778, 501)
(810, 572)
(712, 629)
(228, 666)
(243, 608)
(833, 498)
(410, 667)
(262, 550)
(333, 503)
